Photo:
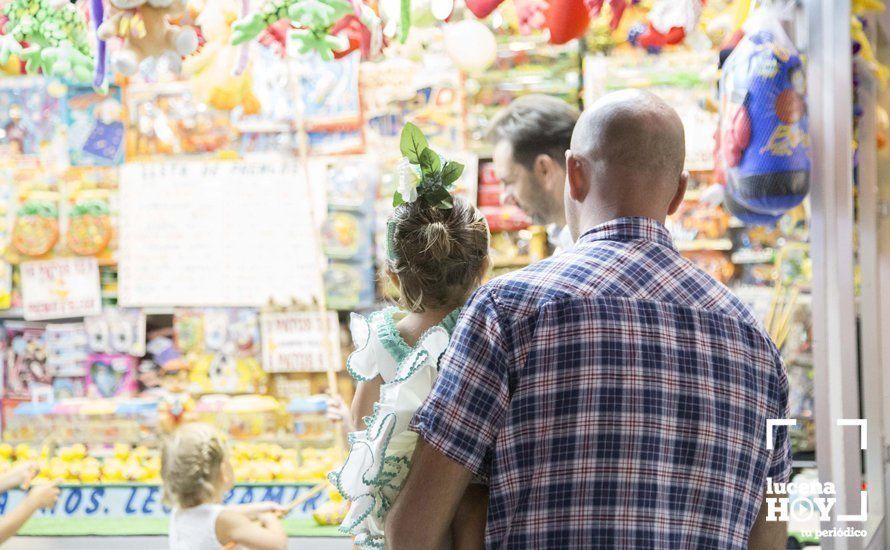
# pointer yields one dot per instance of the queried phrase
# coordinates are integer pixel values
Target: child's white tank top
(195, 528)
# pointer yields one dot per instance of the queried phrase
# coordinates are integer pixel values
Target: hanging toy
(595, 7)
(315, 18)
(216, 74)
(55, 32)
(764, 135)
(865, 54)
(97, 14)
(147, 34)
(567, 20)
(670, 21)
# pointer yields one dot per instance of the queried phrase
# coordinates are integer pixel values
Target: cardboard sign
(60, 289)
(294, 341)
(216, 233)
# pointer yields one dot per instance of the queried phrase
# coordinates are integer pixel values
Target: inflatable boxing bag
(764, 135)
(567, 20)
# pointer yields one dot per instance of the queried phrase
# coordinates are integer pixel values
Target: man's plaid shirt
(615, 396)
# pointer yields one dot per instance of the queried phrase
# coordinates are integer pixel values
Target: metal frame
(870, 314)
(829, 76)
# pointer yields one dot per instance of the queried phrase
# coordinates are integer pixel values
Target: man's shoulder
(523, 291)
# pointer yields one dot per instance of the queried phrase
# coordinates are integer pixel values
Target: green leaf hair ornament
(423, 175)
(56, 33)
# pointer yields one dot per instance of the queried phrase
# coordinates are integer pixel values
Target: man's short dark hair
(535, 124)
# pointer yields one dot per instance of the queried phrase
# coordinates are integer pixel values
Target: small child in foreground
(197, 472)
(40, 496)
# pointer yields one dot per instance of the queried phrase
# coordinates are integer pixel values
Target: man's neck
(601, 216)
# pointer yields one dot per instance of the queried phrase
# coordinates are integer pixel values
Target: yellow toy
(866, 53)
(177, 405)
(212, 69)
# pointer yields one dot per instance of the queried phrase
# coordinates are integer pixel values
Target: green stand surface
(116, 527)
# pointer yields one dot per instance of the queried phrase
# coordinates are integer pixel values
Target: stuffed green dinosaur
(315, 17)
(56, 33)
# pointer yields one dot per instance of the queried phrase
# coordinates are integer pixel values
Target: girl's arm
(19, 476)
(43, 496)
(264, 534)
(366, 394)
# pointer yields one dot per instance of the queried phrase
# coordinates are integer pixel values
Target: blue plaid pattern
(616, 396)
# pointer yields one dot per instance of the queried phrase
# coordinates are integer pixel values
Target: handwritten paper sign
(216, 233)
(59, 289)
(294, 341)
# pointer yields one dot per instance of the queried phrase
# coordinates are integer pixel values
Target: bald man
(614, 396)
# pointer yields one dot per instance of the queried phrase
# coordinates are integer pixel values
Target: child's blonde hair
(438, 253)
(191, 463)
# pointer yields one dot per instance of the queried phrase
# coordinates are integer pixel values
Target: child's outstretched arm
(19, 476)
(366, 394)
(264, 534)
(41, 496)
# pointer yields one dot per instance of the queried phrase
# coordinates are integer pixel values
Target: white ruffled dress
(379, 456)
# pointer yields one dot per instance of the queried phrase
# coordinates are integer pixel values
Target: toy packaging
(26, 370)
(95, 126)
(111, 375)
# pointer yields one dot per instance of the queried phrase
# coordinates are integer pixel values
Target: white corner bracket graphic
(771, 423)
(863, 429)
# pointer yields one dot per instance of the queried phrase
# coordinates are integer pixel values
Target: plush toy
(55, 32)
(213, 71)
(147, 33)
(764, 136)
(670, 21)
(315, 18)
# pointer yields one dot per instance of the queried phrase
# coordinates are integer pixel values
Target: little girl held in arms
(196, 472)
(437, 248)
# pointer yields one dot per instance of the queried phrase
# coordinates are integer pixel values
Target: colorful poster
(95, 126)
(194, 234)
(26, 371)
(111, 375)
(295, 341)
(59, 289)
(90, 212)
(66, 350)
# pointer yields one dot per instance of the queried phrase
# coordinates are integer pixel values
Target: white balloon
(470, 45)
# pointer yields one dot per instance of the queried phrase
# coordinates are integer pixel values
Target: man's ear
(577, 177)
(681, 192)
(544, 168)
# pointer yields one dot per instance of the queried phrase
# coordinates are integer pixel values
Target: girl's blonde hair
(437, 253)
(191, 463)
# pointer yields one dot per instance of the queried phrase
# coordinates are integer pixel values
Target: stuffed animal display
(316, 20)
(764, 146)
(50, 36)
(147, 33)
(670, 21)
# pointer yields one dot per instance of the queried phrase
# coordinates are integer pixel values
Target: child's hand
(44, 496)
(255, 510)
(22, 474)
(338, 410)
(268, 519)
